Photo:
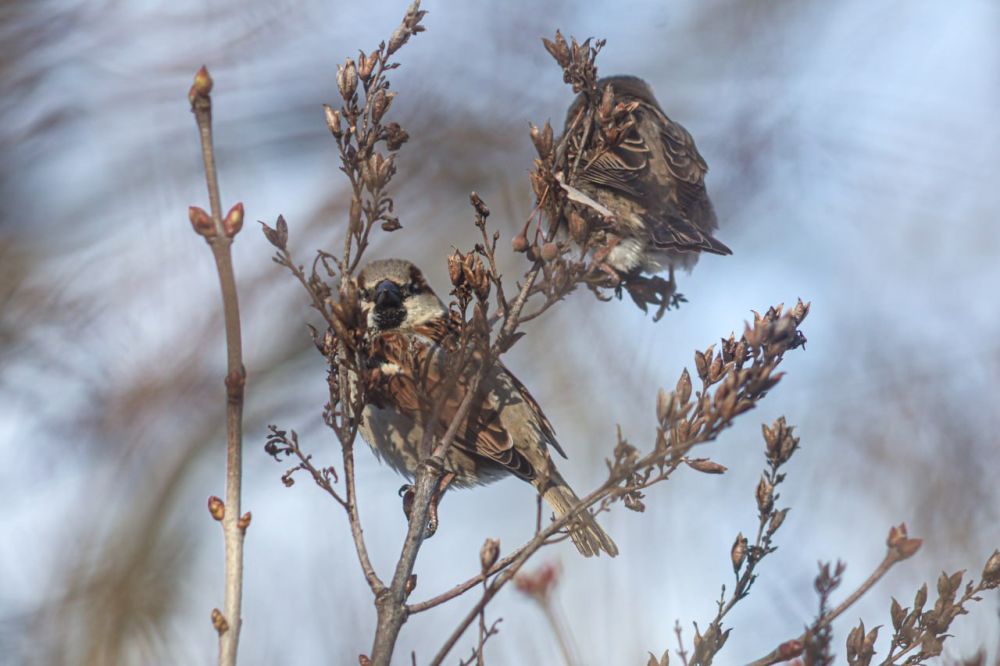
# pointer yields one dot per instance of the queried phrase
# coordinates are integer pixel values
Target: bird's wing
(411, 377)
(620, 167)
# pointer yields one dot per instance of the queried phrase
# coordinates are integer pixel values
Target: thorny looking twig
(219, 232)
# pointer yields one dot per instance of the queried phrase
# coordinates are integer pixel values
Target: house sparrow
(410, 339)
(642, 168)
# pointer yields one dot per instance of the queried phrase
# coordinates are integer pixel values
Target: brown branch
(220, 237)
(787, 649)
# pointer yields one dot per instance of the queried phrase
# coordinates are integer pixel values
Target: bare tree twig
(219, 232)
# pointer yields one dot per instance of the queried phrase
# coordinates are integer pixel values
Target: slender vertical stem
(233, 526)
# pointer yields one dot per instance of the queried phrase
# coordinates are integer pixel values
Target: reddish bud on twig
(201, 221)
(363, 660)
(244, 522)
(216, 507)
(233, 222)
(410, 585)
(489, 553)
(219, 621)
(203, 81)
(201, 87)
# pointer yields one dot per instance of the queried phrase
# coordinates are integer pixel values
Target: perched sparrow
(411, 338)
(644, 169)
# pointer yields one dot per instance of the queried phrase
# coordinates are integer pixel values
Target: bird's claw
(408, 493)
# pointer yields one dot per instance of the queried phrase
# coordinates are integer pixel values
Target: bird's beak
(388, 295)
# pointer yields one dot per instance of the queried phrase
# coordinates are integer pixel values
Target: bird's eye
(366, 294)
(410, 288)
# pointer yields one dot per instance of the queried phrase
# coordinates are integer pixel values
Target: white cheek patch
(389, 369)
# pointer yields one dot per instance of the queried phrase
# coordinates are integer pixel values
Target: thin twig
(233, 524)
(891, 558)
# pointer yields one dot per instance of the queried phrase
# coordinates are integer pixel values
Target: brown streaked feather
(656, 169)
(419, 381)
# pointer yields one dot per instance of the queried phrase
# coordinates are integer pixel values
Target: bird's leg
(432, 520)
(599, 260)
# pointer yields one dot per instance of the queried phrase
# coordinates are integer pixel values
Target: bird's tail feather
(587, 535)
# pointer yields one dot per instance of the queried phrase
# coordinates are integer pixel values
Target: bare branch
(219, 235)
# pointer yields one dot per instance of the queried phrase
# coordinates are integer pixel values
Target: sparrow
(411, 341)
(644, 169)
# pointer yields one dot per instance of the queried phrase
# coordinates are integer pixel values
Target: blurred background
(854, 155)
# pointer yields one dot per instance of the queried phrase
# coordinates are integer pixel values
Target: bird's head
(625, 88)
(394, 295)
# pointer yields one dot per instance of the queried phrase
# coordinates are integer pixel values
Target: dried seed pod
(347, 79)
(381, 104)
(550, 251)
(664, 405)
(684, 387)
(333, 121)
(706, 466)
(455, 272)
(765, 496)
(738, 552)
